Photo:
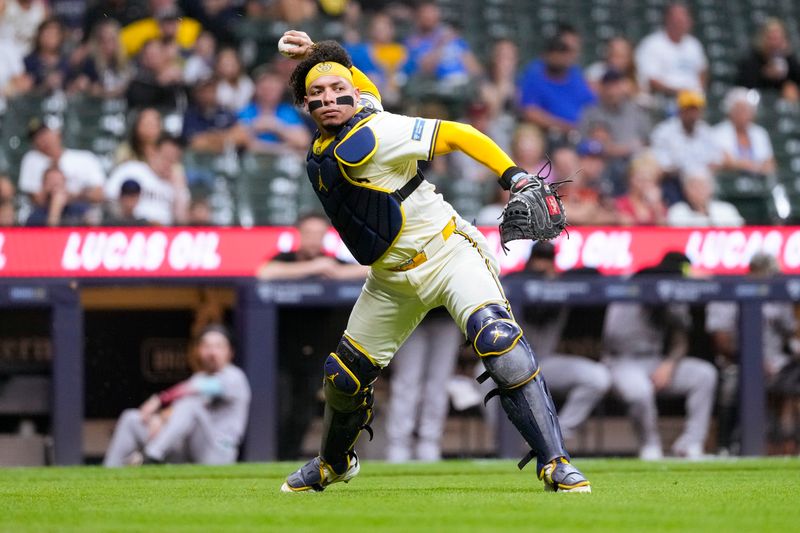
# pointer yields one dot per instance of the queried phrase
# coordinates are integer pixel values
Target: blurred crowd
(627, 134)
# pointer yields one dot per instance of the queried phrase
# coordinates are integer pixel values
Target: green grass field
(454, 496)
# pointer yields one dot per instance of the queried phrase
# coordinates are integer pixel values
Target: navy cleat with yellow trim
(560, 476)
(316, 474)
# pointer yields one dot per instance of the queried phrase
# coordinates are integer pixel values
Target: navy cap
(130, 187)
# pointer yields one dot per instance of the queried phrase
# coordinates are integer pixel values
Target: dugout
(86, 378)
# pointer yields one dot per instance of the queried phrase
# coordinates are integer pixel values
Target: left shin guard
(510, 362)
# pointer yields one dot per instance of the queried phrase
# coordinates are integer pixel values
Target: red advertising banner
(238, 252)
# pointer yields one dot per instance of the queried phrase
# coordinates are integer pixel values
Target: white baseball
(286, 49)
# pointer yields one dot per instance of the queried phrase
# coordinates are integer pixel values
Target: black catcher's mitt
(534, 211)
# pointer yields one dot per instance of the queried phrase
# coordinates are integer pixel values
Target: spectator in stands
(643, 204)
(219, 17)
(745, 146)
(579, 379)
(19, 23)
(234, 87)
(565, 163)
(208, 127)
(84, 175)
(671, 59)
(6, 188)
(122, 213)
(684, 142)
(437, 51)
(145, 130)
(8, 215)
(382, 59)
(47, 65)
(779, 346)
(771, 64)
(200, 420)
(166, 24)
(163, 198)
(13, 80)
(418, 397)
(627, 124)
(290, 11)
(301, 353)
(635, 336)
(275, 126)
(56, 207)
(499, 90)
(618, 57)
(700, 207)
(585, 195)
(527, 149)
(462, 165)
(156, 82)
(105, 71)
(200, 213)
(200, 63)
(553, 91)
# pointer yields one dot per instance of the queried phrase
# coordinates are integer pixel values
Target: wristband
(510, 176)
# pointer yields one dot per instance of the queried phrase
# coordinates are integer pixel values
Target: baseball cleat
(316, 474)
(560, 476)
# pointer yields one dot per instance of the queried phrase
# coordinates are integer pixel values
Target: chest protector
(369, 219)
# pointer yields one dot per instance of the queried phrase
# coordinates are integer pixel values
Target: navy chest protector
(368, 218)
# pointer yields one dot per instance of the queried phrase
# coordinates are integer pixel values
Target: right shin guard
(349, 375)
(510, 362)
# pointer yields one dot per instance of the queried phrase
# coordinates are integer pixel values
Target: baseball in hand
(287, 49)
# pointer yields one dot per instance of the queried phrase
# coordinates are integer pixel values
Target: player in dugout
(363, 167)
(200, 420)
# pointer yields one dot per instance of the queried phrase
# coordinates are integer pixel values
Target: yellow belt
(429, 250)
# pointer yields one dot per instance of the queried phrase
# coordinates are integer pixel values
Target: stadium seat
(95, 124)
(751, 194)
(269, 190)
(213, 176)
(14, 132)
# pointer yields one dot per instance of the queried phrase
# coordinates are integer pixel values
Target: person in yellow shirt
(166, 24)
(363, 166)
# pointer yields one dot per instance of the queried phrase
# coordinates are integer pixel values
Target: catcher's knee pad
(511, 363)
(498, 340)
(349, 375)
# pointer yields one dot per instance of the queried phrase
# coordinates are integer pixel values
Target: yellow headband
(328, 68)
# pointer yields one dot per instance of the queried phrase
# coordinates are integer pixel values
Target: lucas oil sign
(238, 252)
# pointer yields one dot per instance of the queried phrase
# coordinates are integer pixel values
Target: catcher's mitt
(534, 211)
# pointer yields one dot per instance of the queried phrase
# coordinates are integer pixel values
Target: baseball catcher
(362, 166)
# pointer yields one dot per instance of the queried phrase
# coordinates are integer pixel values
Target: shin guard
(349, 375)
(510, 362)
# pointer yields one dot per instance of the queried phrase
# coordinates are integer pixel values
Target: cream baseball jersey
(401, 142)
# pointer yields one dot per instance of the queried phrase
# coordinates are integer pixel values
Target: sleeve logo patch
(419, 125)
